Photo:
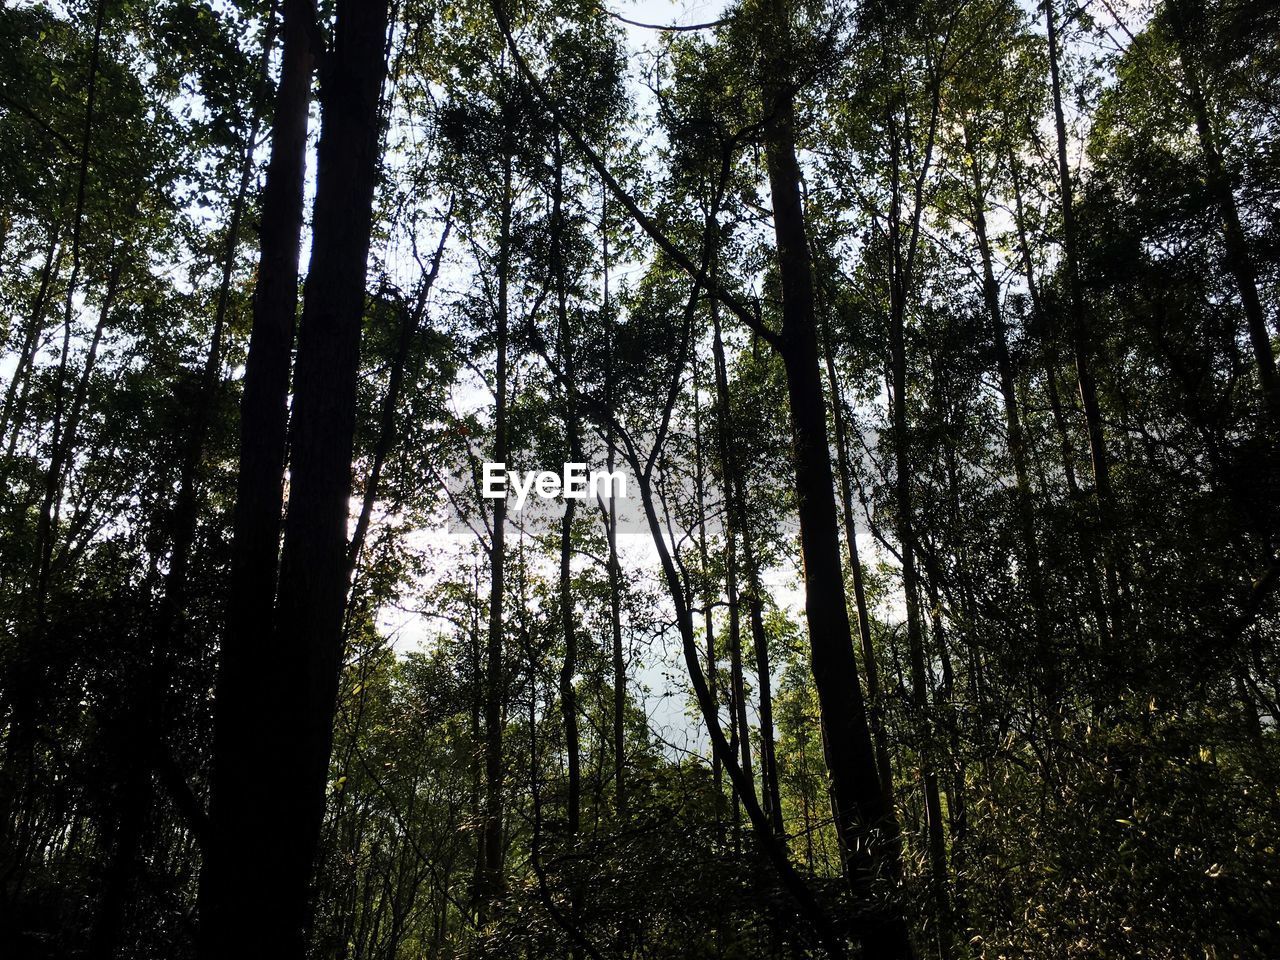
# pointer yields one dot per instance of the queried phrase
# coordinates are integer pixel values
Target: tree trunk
(869, 664)
(611, 531)
(492, 876)
(239, 822)
(1080, 328)
(286, 739)
(30, 341)
(857, 797)
(569, 668)
(146, 725)
(735, 492)
(314, 575)
(1013, 424)
(1239, 260)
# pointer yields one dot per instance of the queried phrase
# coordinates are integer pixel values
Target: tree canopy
(935, 342)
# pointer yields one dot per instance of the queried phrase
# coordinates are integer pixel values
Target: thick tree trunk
(287, 738)
(314, 578)
(857, 797)
(239, 821)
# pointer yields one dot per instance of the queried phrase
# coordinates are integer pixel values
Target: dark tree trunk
(314, 574)
(1239, 261)
(569, 667)
(736, 495)
(146, 723)
(492, 875)
(611, 531)
(1081, 334)
(869, 664)
(30, 342)
(1013, 424)
(299, 662)
(239, 821)
(857, 797)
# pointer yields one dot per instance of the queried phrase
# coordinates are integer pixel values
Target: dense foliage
(936, 341)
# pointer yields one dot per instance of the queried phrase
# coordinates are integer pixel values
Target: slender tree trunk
(1081, 334)
(146, 727)
(915, 638)
(809, 908)
(492, 878)
(741, 734)
(410, 325)
(1013, 420)
(60, 449)
(736, 678)
(569, 668)
(736, 494)
(30, 340)
(611, 531)
(875, 705)
(1239, 260)
(708, 616)
(902, 260)
(1066, 450)
(240, 824)
(64, 445)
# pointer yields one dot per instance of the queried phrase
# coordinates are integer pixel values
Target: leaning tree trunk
(1239, 260)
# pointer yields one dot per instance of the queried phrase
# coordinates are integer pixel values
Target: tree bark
(857, 797)
(314, 578)
(280, 733)
(240, 823)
